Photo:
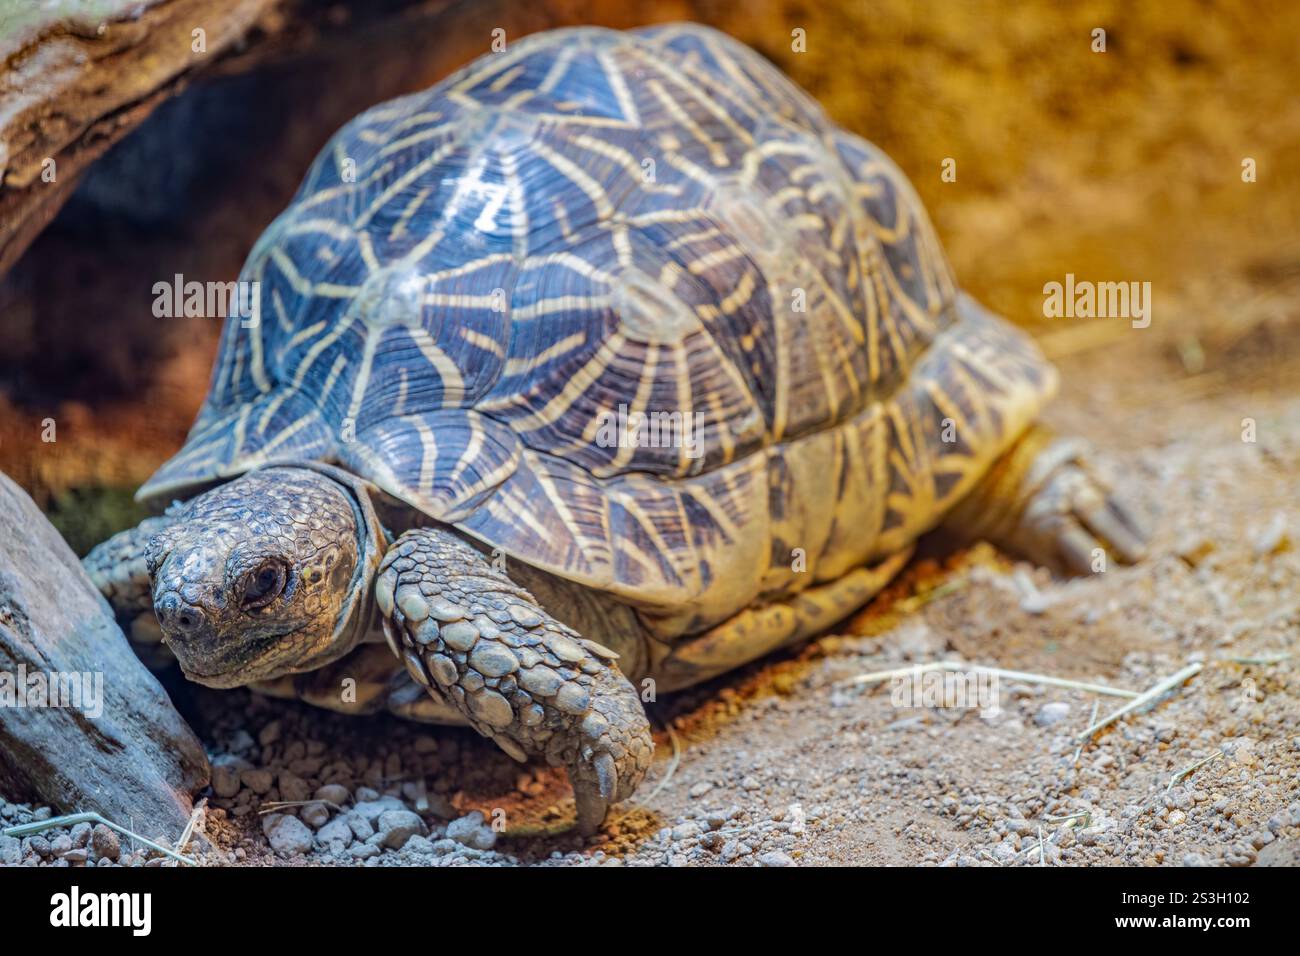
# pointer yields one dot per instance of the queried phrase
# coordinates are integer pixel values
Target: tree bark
(80, 76)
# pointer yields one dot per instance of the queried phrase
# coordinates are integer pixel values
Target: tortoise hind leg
(1043, 500)
(480, 643)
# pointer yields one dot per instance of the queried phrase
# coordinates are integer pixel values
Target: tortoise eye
(263, 586)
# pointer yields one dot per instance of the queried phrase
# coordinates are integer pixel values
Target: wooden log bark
(114, 743)
(80, 76)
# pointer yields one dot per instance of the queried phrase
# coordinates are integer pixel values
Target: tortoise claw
(1070, 515)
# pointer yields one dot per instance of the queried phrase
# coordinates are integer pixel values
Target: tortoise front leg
(118, 568)
(1043, 499)
(481, 643)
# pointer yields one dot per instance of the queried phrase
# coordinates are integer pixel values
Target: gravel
(788, 762)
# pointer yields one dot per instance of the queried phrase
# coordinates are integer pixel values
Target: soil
(1117, 166)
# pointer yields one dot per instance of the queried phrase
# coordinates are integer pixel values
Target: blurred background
(1122, 165)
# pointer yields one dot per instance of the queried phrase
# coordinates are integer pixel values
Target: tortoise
(604, 366)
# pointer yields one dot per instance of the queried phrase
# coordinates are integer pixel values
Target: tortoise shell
(479, 285)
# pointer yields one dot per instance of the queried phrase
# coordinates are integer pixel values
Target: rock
(121, 749)
(105, 843)
(11, 851)
(287, 834)
(398, 826)
(80, 834)
(685, 831)
(419, 846)
(334, 793)
(471, 831)
(270, 734)
(335, 834)
(361, 828)
(258, 780)
(1052, 713)
(293, 788)
(315, 815)
(370, 810)
(225, 775)
(776, 858)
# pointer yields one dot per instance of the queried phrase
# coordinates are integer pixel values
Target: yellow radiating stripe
(576, 175)
(485, 342)
(264, 452)
(240, 429)
(686, 405)
(702, 264)
(399, 407)
(518, 206)
(453, 383)
(570, 343)
(687, 168)
(561, 507)
(644, 386)
(506, 78)
(663, 552)
(578, 383)
(255, 339)
(428, 453)
(399, 227)
(327, 290)
(713, 232)
(625, 160)
(397, 145)
(717, 155)
(473, 449)
(317, 348)
(302, 335)
(362, 380)
(399, 185)
(568, 259)
(568, 303)
(691, 91)
(618, 84)
(281, 317)
(459, 300)
(496, 258)
(667, 215)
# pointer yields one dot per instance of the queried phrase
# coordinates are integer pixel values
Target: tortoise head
(267, 575)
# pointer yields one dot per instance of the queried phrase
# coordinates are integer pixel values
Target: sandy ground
(1122, 166)
(790, 762)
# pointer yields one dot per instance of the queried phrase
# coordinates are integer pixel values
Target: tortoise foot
(481, 643)
(1046, 501)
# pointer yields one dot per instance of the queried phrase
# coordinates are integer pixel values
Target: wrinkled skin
(252, 579)
(278, 572)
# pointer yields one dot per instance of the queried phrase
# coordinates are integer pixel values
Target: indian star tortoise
(602, 367)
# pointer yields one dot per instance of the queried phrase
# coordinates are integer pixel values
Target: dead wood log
(83, 725)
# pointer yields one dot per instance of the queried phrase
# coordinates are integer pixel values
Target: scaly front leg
(481, 643)
(119, 569)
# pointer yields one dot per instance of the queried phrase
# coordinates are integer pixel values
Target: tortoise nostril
(178, 616)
